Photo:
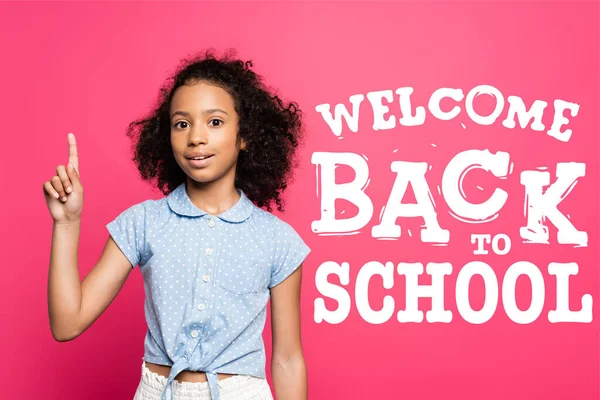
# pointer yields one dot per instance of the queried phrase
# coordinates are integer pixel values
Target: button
(209, 251)
(194, 333)
(206, 278)
(201, 306)
(211, 223)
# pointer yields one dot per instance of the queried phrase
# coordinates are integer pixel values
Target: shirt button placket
(209, 252)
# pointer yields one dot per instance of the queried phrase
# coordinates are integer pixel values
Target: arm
(73, 305)
(287, 363)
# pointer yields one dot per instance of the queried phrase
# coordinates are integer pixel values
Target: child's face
(204, 124)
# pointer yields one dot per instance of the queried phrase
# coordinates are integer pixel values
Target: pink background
(92, 68)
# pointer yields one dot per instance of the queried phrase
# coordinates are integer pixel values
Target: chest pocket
(244, 272)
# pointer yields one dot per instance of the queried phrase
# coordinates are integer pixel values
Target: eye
(180, 122)
(212, 122)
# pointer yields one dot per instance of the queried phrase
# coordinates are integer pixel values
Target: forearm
(64, 284)
(290, 378)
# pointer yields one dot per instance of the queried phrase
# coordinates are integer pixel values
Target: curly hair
(271, 128)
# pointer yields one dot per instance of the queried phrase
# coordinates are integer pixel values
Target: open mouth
(200, 158)
(200, 161)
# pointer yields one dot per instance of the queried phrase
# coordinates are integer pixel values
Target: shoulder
(279, 234)
(270, 223)
(149, 206)
(152, 206)
(146, 210)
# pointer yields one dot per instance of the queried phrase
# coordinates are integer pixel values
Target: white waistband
(238, 386)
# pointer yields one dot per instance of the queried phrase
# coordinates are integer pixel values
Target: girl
(221, 148)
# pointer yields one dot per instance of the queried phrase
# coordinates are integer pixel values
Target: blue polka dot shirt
(206, 281)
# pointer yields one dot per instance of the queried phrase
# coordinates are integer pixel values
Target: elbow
(64, 335)
(61, 338)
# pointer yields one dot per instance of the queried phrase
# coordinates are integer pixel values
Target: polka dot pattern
(207, 280)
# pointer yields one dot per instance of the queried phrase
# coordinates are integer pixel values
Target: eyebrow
(209, 111)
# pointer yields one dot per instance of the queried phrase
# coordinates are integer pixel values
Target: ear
(243, 145)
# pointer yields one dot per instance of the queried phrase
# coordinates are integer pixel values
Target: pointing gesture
(73, 156)
(64, 192)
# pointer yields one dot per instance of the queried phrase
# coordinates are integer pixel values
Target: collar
(181, 204)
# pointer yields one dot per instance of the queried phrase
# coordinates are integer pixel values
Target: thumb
(73, 175)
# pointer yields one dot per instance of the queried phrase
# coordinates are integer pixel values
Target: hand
(63, 192)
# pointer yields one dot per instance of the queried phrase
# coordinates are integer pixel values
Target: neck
(214, 198)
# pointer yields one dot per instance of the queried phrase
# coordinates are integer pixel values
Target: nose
(197, 136)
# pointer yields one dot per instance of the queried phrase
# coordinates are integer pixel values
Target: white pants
(238, 387)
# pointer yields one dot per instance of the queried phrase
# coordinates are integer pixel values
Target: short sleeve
(128, 232)
(290, 251)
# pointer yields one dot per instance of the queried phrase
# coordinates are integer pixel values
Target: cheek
(227, 143)
(177, 144)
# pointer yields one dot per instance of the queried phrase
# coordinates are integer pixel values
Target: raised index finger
(73, 156)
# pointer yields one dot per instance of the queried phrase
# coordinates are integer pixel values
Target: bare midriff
(183, 376)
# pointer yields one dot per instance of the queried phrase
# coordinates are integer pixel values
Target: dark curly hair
(271, 128)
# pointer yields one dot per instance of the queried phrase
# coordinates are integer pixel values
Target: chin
(202, 178)
(205, 175)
